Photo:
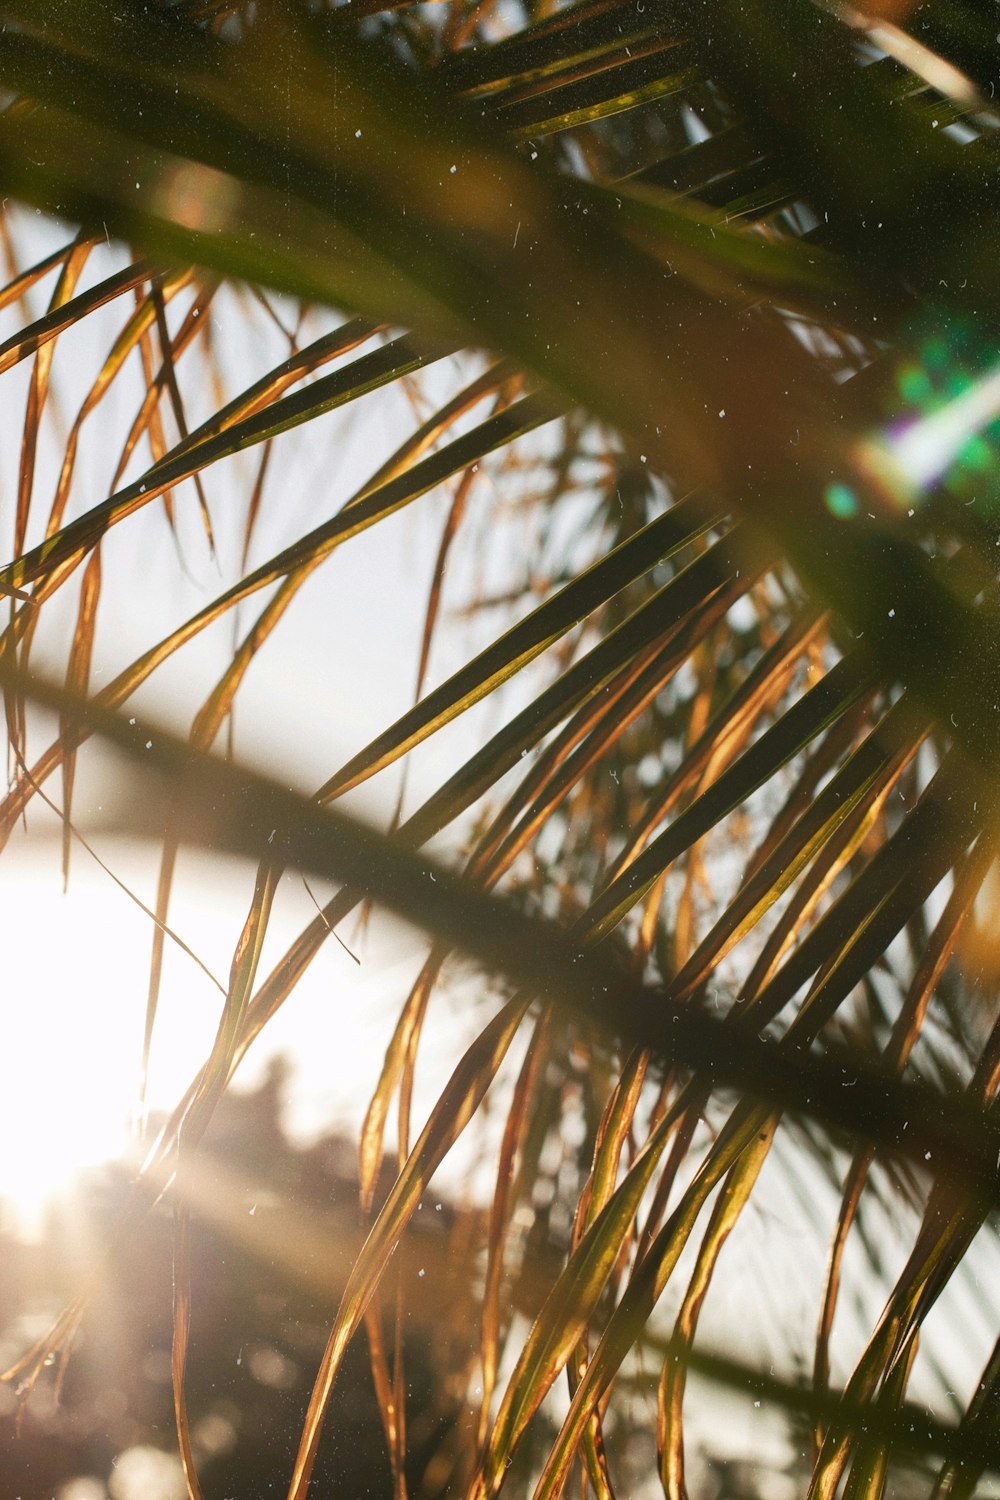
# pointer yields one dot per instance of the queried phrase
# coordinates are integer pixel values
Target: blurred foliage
(695, 302)
(260, 1325)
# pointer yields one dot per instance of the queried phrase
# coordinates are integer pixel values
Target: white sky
(341, 665)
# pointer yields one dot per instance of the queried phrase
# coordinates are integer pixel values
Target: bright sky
(340, 667)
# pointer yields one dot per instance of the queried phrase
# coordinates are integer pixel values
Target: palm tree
(708, 292)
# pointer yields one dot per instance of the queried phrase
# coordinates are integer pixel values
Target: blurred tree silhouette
(707, 293)
(259, 1329)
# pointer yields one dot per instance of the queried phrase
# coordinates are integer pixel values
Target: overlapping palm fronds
(712, 286)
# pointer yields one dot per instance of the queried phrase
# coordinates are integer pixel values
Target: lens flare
(917, 455)
(941, 430)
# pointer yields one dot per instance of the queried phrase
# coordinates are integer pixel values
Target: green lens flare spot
(936, 354)
(915, 385)
(977, 455)
(840, 501)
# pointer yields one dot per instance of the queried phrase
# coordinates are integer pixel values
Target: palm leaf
(769, 661)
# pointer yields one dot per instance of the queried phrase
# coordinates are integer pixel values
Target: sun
(68, 1048)
(72, 1018)
(72, 1011)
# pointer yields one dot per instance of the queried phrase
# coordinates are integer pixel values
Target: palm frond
(688, 255)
